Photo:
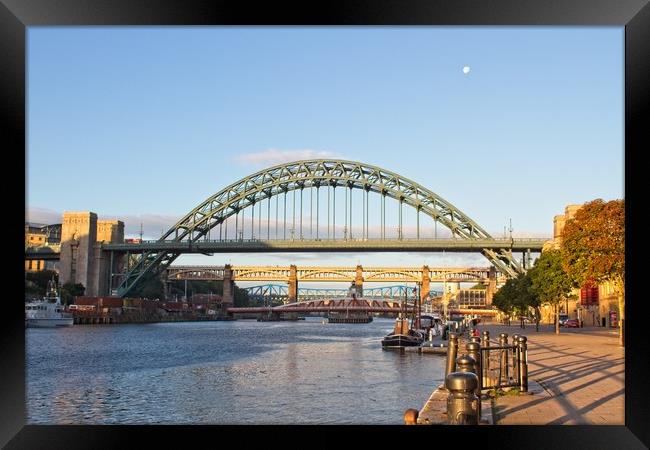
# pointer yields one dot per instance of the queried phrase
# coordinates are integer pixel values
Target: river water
(238, 372)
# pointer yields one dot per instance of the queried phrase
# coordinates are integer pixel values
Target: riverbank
(93, 318)
(575, 378)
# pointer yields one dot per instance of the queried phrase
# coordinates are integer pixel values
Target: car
(572, 323)
(563, 319)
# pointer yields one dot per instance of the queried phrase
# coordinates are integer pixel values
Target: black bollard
(452, 351)
(523, 364)
(474, 351)
(503, 342)
(515, 357)
(466, 363)
(462, 403)
(485, 343)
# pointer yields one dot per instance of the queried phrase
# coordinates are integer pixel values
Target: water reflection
(224, 373)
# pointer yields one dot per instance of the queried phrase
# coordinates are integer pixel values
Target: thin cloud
(153, 225)
(43, 215)
(275, 156)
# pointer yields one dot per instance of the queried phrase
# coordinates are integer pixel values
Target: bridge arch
(294, 176)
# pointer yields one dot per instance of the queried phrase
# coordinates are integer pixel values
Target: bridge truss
(281, 292)
(310, 177)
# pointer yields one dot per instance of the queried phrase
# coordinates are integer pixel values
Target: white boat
(48, 312)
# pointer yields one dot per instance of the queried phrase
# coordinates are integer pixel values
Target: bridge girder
(299, 175)
(333, 274)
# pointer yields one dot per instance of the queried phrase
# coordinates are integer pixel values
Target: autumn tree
(550, 282)
(593, 249)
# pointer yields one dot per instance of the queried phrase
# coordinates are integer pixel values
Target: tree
(36, 282)
(516, 297)
(593, 249)
(525, 297)
(70, 290)
(150, 287)
(504, 298)
(550, 282)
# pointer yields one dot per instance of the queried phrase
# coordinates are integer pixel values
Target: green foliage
(241, 298)
(36, 282)
(479, 286)
(496, 393)
(70, 290)
(150, 287)
(516, 296)
(504, 297)
(550, 282)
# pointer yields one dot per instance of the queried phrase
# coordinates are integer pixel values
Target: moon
(466, 70)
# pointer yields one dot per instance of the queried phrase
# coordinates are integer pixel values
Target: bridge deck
(323, 245)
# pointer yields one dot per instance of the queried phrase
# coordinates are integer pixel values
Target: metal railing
(501, 365)
(504, 365)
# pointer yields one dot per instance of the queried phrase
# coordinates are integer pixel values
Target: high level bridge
(310, 206)
(293, 275)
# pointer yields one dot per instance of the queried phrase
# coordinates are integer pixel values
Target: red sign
(589, 295)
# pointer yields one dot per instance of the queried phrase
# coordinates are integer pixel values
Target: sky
(142, 124)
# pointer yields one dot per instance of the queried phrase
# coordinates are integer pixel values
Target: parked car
(572, 323)
(563, 319)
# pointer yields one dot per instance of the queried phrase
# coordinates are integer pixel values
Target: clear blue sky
(144, 123)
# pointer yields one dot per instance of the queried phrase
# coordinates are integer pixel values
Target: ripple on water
(224, 373)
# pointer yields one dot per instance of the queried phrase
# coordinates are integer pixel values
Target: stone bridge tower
(82, 260)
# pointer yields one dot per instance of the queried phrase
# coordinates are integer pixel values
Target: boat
(48, 312)
(403, 335)
(333, 317)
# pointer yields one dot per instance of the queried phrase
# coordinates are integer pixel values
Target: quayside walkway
(581, 371)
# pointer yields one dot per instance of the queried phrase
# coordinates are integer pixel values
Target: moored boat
(48, 312)
(402, 335)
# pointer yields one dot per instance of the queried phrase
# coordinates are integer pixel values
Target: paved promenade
(582, 374)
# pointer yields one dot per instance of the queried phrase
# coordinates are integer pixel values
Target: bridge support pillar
(78, 237)
(492, 286)
(228, 297)
(426, 285)
(358, 282)
(293, 284)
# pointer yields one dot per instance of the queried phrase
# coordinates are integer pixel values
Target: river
(237, 372)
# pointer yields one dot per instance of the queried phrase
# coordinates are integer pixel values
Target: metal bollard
(486, 339)
(452, 351)
(503, 342)
(485, 343)
(411, 416)
(462, 403)
(523, 363)
(515, 357)
(474, 350)
(466, 363)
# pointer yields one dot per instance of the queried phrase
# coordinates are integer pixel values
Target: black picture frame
(634, 15)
